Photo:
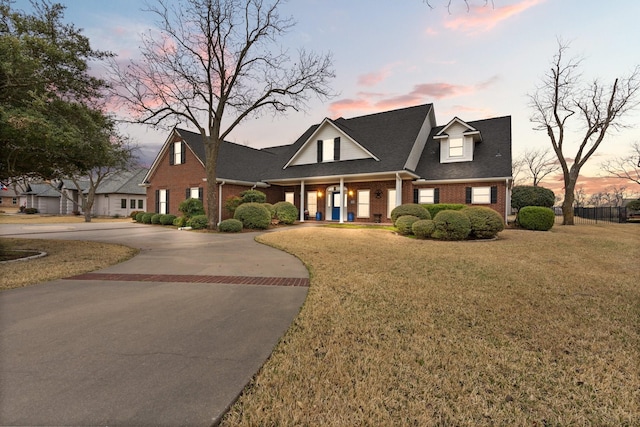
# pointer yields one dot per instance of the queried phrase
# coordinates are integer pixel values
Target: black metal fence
(600, 214)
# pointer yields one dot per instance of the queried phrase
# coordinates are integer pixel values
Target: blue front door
(335, 206)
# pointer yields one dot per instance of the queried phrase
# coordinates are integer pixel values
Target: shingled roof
(389, 136)
(491, 157)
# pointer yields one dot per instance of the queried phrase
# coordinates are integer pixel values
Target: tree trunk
(567, 205)
(212, 145)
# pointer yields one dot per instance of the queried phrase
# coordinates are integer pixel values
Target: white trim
(460, 180)
(373, 176)
(311, 139)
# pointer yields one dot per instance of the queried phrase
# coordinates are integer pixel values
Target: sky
(473, 64)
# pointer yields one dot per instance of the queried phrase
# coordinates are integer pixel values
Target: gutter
(460, 180)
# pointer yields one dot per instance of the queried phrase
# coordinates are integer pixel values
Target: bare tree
(539, 163)
(626, 167)
(448, 4)
(597, 106)
(579, 198)
(517, 171)
(213, 63)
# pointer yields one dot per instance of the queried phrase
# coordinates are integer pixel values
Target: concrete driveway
(170, 337)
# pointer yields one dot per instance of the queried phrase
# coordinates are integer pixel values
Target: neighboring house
(119, 194)
(355, 169)
(9, 200)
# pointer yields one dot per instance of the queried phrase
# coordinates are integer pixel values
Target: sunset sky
(397, 53)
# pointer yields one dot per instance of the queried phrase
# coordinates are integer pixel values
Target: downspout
(220, 202)
(507, 202)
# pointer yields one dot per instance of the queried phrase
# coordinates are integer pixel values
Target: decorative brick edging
(189, 278)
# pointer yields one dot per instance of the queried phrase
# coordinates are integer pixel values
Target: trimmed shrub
(253, 215)
(133, 214)
(423, 228)
(634, 205)
(232, 203)
(536, 218)
(409, 209)
(485, 222)
(30, 211)
(230, 226)
(253, 196)
(451, 225)
(526, 195)
(191, 207)
(139, 216)
(198, 222)
(146, 218)
(180, 221)
(405, 222)
(167, 219)
(155, 218)
(286, 212)
(271, 209)
(438, 207)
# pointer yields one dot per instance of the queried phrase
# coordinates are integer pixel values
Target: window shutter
(157, 201)
(336, 148)
(166, 209)
(200, 193)
(319, 151)
(187, 193)
(183, 152)
(494, 194)
(436, 195)
(415, 195)
(172, 154)
(468, 195)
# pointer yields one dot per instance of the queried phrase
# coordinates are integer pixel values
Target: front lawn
(535, 328)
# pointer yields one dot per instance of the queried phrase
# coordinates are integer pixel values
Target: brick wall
(456, 193)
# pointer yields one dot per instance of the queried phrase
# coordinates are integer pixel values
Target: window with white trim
(481, 195)
(426, 196)
(456, 147)
(177, 153)
(391, 201)
(123, 203)
(132, 203)
(363, 203)
(14, 201)
(289, 196)
(162, 201)
(194, 192)
(312, 202)
(140, 204)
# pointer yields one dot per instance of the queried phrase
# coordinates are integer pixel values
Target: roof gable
(350, 148)
(458, 126)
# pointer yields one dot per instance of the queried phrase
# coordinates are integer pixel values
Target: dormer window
(457, 141)
(456, 147)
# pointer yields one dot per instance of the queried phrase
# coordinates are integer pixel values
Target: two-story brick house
(355, 169)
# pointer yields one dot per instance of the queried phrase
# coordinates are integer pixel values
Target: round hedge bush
(253, 196)
(437, 207)
(409, 209)
(271, 209)
(198, 222)
(133, 214)
(451, 225)
(155, 218)
(536, 218)
(191, 207)
(180, 221)
(286, 212)
(485, 222)
(139, 216)
(404, 224)
(253, 215)
(423, 228)
(146, 218)
(526, 195)
(167, 219)
(230, 226)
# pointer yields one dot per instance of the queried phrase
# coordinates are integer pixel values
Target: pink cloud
(425, 92)
(373, 78)
(486, 18)
(590, 184)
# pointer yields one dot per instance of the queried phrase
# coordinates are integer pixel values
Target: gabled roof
(235, 162)
(491, 158)
(124, 182)
(41, 190)
(443, 133)
(389, 135)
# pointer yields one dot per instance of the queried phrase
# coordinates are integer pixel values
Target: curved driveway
(165, 338)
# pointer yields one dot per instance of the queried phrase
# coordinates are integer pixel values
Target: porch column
(302, 201)
(398, 190)
(341, 200)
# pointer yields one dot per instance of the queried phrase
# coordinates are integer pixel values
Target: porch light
(319, 193)
(350, 193)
